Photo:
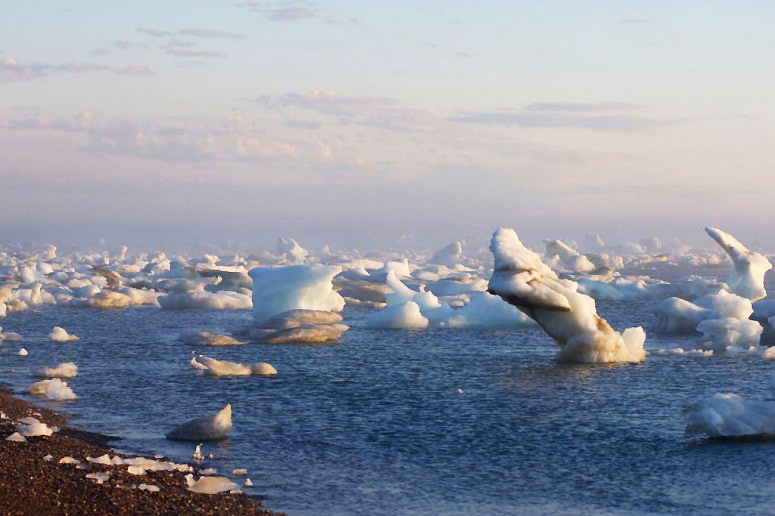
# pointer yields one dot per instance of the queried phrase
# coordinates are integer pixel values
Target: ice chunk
(16, 437)
(211, 485)
(307, 333)
(148, 487)
(676, 315)
(289, 249)
(205, 428)
(199, 298)
(406, 315)
(204, 338)
(727, 304)
(34, 428)
(55, 389)
(99, 477)
(59, 334)
(730, 415)
(239, 472)
(248, 482)
(747, 276)
(571, 259)
(69, 460)
(63, 370)
(570, 318)
(277, 290)
(448, 255)
(226, 368)
(717, 334)
(487, 311)
(23, 352)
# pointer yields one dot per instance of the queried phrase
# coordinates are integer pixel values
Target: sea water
(438, 421)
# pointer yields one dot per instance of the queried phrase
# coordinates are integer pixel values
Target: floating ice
(205, 428)
(718, 334)
(198, 452)
(570, 318)
(199, 298)
(289, 249)
(730, 415)
(59, 334)
(239, 472)
(63, 370)
(308, 333)
(9, 335)
(747, 276)
(22, 352)
(204, 338)
(406, 315)
(55, 389)
(451, 254)
(570, 259)
(487, 311)
(248, 482)
(676, 315)
(210, 485)
(277, 290)
(226, 368)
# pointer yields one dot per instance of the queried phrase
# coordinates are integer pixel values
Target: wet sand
(30, 484)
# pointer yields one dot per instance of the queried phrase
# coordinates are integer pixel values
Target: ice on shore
(277, 290)
(226, 368)
(31, 427)
(749, 268)
(210, 485)
(148, 487)
(730, 415)
(569, 317)
(63, 370)
(59, 334)
(55, 389)
(205, 428)
(16, 437)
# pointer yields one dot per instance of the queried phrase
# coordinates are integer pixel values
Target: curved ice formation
(569, 317)
(55, 389)
(205, 428)
(277, 290)
(730, 415)
(59, 334)
(747, 276)
(226, 368)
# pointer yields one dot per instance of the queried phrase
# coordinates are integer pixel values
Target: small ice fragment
(16, 437)
(209, 471)
(23, 352)
(69, 460)
(148, 487)
(460, 391)
(136, 470)
(248, 482)
(37, 429)
(2, 415)
(198, 452)
(210, 485)
(48, 457)
(59, 334)
(102, 459)
(100, 477)
(240, 472)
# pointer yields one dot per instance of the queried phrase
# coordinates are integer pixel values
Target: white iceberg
(59, 334)
(730, 415)
(205, 428)
(569, 317)
(747, 276)
(63, 370)
(277, 290)
(226, 368)
(55, 389)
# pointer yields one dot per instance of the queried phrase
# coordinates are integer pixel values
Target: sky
(370, 122)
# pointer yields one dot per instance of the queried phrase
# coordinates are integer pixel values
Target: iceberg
(280, 289)
(749, 268)
(569, 317)
(730, 415)
(205, 428)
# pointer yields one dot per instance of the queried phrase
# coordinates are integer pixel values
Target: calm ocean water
(375, 424)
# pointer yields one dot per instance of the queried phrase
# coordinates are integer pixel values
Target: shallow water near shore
(377, 423)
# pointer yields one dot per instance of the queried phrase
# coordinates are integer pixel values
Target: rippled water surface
(376, 424)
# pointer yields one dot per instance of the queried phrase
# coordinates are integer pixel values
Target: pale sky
(355, 122)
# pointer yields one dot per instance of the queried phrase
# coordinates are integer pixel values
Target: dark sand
(31, 485)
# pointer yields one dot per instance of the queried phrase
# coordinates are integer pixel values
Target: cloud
(180, 48)
(211, 34)
(154, 33)
(593, 116)
(636, 20)
(582, 107)
(283, 11)
(12, 70)
(229, 138)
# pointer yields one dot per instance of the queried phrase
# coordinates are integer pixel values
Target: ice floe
(205, 428)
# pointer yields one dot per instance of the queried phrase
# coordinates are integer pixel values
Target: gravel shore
(33, 483)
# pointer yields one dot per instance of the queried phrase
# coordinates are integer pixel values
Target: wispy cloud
(12, 70)
(593, 116)
(154, 33)
(211, 34)
(291, 11)
(180, 48)
(637, 20)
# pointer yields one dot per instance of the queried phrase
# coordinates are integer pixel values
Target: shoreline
(31, 484)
